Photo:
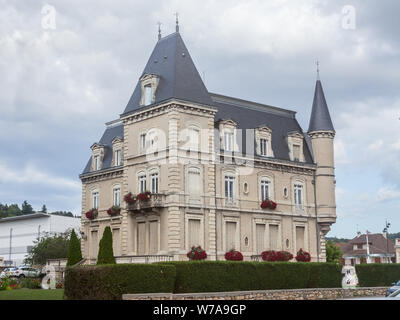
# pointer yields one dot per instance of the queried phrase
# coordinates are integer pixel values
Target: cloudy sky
(62, 79)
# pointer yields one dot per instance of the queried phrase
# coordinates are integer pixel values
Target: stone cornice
(102, 175)
(321, 134)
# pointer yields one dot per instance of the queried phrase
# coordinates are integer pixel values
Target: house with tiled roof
(374, 248)
(220, 172)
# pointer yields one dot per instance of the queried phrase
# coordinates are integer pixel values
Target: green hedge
(212, 276)
(109, 282)
(378, 274)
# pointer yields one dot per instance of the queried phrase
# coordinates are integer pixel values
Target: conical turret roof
(320, 119)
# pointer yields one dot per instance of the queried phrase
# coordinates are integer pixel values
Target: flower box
(144, 196)
(234, 255)
(303, 256)
(268, 204)
(92, 214)
(272, 255)
(197, 253)
(114, 211)
(129, 198)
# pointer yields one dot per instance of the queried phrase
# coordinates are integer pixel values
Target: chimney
(358, 234)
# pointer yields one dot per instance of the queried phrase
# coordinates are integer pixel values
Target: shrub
(234, 255)
(31, 283)
(74, 253)
(303, 256)
(4, 283)
(377, 274)
(217, 276)
(273, 256)
(110, 282)
(197, 253)
(106, 254)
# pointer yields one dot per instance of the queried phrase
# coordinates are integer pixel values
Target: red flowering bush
(144, 196)
(197, 253)
(92, 214)
(303, 256)
(268, 204)
(114, 211)
(59, 285)
(272, 255)
(129, 198)
(234, 255)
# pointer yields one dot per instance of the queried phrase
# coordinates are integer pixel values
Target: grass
(32, 294)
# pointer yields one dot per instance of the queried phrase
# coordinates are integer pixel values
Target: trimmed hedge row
(377, 274)
(212, 276)
(110, 282)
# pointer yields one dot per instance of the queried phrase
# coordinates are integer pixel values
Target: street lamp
(385, 230)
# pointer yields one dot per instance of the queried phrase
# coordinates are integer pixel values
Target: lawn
(32, 294)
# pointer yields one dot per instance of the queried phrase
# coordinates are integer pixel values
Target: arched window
(265, 189)
(117, 196)
(298, 194)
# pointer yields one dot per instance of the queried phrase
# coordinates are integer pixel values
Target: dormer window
(97, 156)
(263, 141)
(227, 129)
(117, 155)
(228, 141)
(117, 151)
(149, 84)
(96, 163)
(147, 95)
(295, 144)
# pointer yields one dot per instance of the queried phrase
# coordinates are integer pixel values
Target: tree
(74, 253)
(106, 254)
(26, 208)
(49, 247)
(44, 209)
(333, 253)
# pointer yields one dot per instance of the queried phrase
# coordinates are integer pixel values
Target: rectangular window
(299, 238)
(260, 238)
(117, 156)
(298, 194)
(142, 183)
(116, 241)
(94, 245)
(194, 182)
(228, 140)
(193, 139)
(263, 147)
(154, 182)
(230, 236)
(148, 95)
(143, 141)
(95, 199)
(117, 197)
(264, 189)
(273, 237)
(141, 238)
(153, 237)
(96, 163)
(296, 152)
(229, 188)
(193, 232)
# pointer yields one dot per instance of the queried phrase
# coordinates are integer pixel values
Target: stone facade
(192, 202)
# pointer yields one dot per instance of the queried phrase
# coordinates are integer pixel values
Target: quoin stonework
(221, 172)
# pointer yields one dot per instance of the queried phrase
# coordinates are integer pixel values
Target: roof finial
(159, 30)
(177, 22)
(317, 63)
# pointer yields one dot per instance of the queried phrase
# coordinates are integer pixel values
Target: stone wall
(292, 294)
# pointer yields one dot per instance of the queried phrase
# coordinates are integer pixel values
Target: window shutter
(194, 232)
(230, 235)
(273, 237)
(260, 238)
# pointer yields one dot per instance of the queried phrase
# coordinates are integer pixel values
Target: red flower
(272, 256)
(303, 256)
(197, 253)
(268, 204)
(129, 199)
(144, 196)
(234, 255)
(114, 211)
(92, 214)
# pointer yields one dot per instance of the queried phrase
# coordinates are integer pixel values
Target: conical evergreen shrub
(106, 254)
(74, 253)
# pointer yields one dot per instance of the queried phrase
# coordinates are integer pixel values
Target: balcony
(155, 202)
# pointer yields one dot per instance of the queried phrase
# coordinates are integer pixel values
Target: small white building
(17, 234)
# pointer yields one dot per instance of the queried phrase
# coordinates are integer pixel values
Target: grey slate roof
(320, 119)
(106, 140)
(179, 77)
(248, 116)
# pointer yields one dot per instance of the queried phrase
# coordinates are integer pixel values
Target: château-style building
(208, 161)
